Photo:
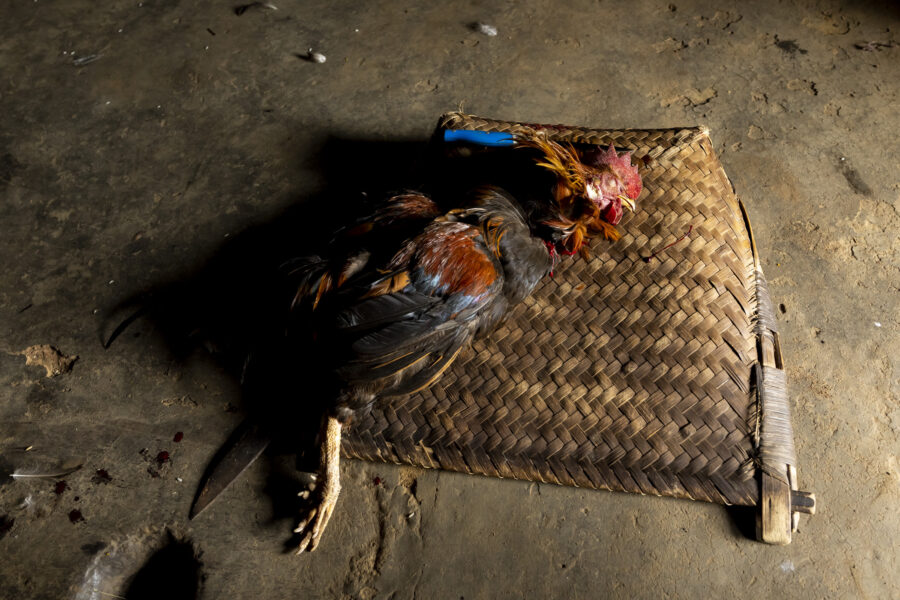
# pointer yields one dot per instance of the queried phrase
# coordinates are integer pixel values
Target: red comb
(621, 166)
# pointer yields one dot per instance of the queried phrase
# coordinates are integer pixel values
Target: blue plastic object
(483, 138)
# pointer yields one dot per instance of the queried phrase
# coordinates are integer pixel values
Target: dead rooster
(390, 305)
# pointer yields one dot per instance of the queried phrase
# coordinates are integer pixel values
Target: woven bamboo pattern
(618, 373)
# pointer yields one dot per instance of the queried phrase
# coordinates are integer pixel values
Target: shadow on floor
(235, 305)
(174, 573)
(743, 521)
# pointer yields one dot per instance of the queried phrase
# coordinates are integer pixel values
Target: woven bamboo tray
(662, 377)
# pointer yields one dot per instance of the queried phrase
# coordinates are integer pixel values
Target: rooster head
(611, 182)
(591, 190)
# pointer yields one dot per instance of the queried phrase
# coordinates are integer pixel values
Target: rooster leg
(328, 487)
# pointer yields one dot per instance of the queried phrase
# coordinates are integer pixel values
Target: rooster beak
(626, 201)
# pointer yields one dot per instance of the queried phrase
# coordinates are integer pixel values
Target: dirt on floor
(140, 139)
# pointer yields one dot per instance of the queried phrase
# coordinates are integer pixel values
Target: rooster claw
(316, 520)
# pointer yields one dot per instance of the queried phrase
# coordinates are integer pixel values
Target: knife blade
(239, 452)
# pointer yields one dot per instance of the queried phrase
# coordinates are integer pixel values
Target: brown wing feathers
(396, 214)
(390, 321)
(452, 260)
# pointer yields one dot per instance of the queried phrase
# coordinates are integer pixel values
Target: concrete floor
(193, 124)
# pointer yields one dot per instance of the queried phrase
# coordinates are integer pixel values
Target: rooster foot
(326, 489)
(316, 519)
